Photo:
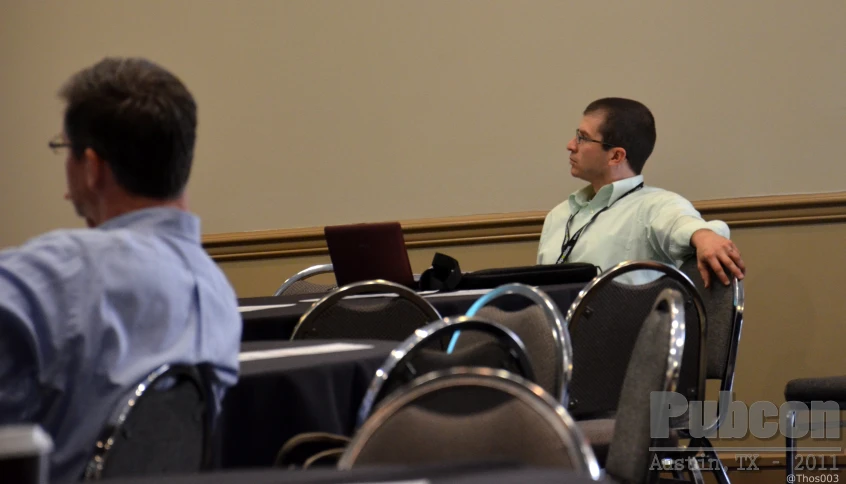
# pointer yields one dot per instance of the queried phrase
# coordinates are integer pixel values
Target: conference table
(290, 387)
(274, 317)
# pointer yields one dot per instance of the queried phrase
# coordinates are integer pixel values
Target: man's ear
(96, 169)
(617, 156)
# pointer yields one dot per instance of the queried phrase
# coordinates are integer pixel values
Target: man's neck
(597, 185)
(611, 178)
(124, 205)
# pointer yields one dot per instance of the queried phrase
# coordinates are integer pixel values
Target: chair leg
(720, 471)
(790, 446)
(668, 462)
(691, 472)
(695, 473)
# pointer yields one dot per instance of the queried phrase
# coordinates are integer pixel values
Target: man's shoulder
(52, 269)
(58, 246)
(42, 277)
(65, 253)
(658, 203)
(560, 210)
(656, 195)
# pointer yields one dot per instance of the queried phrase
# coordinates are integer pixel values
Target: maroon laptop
(362, 252)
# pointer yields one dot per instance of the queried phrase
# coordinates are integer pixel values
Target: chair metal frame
(426, 334)
(530, 393)
(726, 381)
(303, 274)
(377, 286)
(678, 332)
(326, 440)
(727, 378)
(310, 462)
(563, 346)
(113, 426)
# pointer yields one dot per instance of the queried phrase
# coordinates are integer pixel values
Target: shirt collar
(606, 195)
(173, 221)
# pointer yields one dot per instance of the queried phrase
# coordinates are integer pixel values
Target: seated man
(87, 314)
(617, 218)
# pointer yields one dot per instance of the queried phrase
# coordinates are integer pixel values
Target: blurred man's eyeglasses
(56, 144)
(580, 138)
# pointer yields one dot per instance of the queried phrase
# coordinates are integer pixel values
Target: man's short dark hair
(139, 118)
(628, 124)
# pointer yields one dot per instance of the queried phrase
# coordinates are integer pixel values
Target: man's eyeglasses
(580, 138)
(57, 143)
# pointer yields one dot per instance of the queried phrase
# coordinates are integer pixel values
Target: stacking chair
(494, 347)
(470, 414)
(603, 323)
(724, 308)
(162, 426)
(652, 372)
(826, 394)
(297, 284)
(393, 317)
(540, 327)
(421, 353)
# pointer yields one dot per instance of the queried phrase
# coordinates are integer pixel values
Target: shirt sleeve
(18, 369)
(36, 294)
(672, 220)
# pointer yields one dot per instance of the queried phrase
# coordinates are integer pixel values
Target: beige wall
(315, 112)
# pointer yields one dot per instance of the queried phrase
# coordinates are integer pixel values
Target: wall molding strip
(768, 211)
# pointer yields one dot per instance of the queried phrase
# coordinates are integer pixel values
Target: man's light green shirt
(648, 224)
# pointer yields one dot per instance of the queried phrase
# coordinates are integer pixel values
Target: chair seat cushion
(600, 433)
(824, 388)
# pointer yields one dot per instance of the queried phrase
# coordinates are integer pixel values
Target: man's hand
(715, 252)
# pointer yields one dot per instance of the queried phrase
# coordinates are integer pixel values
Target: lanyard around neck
(570, 242)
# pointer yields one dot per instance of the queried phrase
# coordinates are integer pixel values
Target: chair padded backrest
(297, 284)
(391, 317)
(533, 329)
(719, 306)
(629, 457)
(491, 425)
(385, 319)
(603, 340)
(166, 429)
(425, 352)
(456, 417)
(306, 287)
(485, 353)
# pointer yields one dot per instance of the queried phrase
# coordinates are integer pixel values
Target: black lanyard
(570, 242)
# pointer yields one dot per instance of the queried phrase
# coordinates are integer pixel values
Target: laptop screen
(363, 252)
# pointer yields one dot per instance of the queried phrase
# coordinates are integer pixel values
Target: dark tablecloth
(278, 398)
(479, 473)
(278, 323)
